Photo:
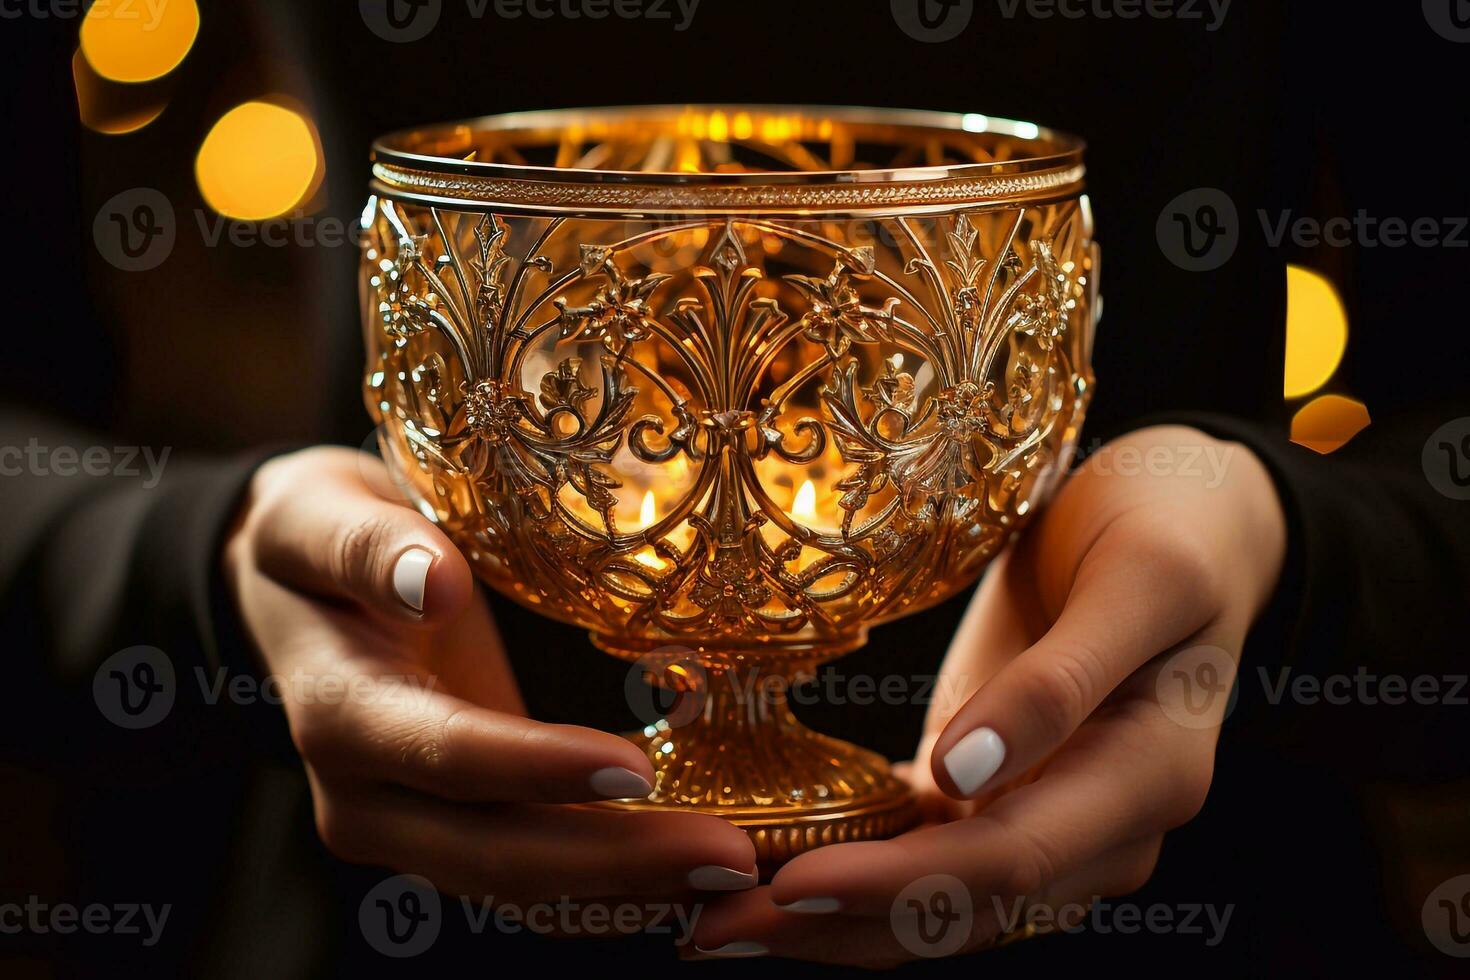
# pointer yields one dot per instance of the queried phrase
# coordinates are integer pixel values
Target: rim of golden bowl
(1012, 161)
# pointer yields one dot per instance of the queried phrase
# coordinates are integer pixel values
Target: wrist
(1261, 527)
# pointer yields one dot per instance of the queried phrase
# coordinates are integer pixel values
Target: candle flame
(649, 513)
(648, 559)
(804, 507)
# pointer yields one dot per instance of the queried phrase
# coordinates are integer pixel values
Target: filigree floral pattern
(836, 315)
(618, 314)
(929, 388)
(402, 310)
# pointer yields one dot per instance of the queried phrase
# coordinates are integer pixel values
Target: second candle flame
(648, 515)
(804, 507)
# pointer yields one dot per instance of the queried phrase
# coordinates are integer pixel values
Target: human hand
(1056, 757)
(429, 765)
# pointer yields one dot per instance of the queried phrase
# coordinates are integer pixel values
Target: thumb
(1126, 606)
(321, 530)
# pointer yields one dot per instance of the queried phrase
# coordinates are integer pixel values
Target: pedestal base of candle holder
(737, 752)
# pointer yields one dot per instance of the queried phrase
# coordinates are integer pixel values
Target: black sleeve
(1361, 661)
(108, 548)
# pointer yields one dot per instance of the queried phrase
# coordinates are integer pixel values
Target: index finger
(399, 729)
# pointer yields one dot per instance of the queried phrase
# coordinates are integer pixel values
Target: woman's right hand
(404, 709)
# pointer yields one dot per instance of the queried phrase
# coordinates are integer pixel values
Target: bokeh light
(138, 42)
(1316, 331)
(104, 107)
(259, 161)
(1328, 422)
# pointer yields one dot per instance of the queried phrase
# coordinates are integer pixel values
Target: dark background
(1322, 108)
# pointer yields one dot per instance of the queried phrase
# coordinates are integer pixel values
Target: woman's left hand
(1075, 719)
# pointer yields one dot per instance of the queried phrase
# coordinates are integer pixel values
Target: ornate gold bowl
(726, 386)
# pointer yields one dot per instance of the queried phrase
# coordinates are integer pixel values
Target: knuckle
(423, 746)
(1062, 688)
(359, 545)
(1030, 867)
(1183, 563)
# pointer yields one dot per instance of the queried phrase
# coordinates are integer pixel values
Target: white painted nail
(816, 905)
(617, 783)
(410, 575)
(974, 759)
(735, 950)
(713, 878)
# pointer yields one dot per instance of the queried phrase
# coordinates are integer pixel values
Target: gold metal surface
(726, 387)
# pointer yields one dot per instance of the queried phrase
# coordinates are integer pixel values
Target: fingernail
(713, 878)
(617, 783)
(816, 905)
(974, 759)
(410, 575)
(733, 951)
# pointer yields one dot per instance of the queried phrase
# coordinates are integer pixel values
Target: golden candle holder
(727, 386)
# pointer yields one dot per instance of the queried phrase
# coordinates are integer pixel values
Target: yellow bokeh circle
(1316, 331)
(138, 42)
(259, 161)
